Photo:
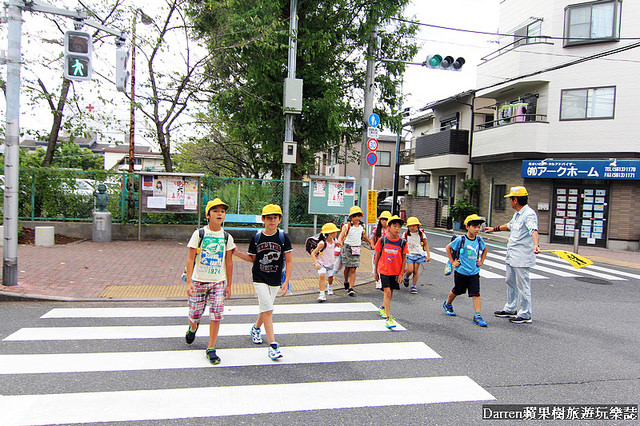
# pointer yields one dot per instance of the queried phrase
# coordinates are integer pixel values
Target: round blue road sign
(374, 120)
(372, 158)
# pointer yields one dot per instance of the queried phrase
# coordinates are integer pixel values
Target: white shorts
(328, 273)
(266, 296)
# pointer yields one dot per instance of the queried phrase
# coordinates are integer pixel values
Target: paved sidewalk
(135, 270)
(150, 270)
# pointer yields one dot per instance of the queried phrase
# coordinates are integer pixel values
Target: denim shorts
(416, 258)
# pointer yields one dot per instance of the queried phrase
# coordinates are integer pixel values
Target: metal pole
(288, 132)
(368, 110)
(396, 173)
(132, 125)
(12, 144)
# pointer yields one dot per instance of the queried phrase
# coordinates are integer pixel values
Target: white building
(563, 121)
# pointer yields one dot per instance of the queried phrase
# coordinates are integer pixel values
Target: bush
(461, 209)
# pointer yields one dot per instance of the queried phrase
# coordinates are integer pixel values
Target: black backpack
(456, 254)
(312, 242)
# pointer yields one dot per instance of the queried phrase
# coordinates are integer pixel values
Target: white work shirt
(520, 246)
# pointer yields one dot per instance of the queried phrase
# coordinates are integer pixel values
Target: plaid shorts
(203, 294)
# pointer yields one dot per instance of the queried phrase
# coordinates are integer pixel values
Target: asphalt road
(582, 348)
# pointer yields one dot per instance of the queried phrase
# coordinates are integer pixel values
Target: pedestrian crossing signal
(77, 56)
(122, 71)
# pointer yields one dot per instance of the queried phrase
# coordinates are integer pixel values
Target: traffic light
(77, 55)
(446, 63)
(122, 71)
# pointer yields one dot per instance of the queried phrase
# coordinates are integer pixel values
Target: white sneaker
(322, 298)
(329, 289)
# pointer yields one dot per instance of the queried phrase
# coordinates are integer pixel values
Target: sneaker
(390, 324)
(382, 312)
(505, 314)
(255, 335)
(448, 309)
(477, 319)
(520, 320)
(406, 281)
(414, 290)
(351, 292)
(322, 298)
(329, 290)
(274, 351)
(211, 355)
(190, 336)
(346, 286)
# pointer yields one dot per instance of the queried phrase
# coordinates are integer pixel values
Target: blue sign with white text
(374, 120)
(582, 169)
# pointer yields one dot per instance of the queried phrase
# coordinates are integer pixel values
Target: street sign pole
(368, 110)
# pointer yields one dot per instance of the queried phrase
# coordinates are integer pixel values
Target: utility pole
(288, 130)
(12, 142)
(13, 61)
(368, 110)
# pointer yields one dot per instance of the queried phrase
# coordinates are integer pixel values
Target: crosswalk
(547, 266)
(368, 341)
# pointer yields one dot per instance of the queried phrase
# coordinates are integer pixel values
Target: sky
(421, 85)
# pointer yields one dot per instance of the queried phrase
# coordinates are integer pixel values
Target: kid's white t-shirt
(209, 266)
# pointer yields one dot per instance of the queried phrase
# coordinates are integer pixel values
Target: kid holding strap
(351, 236)
(472, 252)
(418, 251)
(209, 275)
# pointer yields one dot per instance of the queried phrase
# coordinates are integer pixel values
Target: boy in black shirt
(266, 251)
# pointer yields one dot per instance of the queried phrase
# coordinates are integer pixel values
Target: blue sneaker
(255, 335)
(477, 319)
(448, 309)
(390, 323)
(274, 351)
(213, 358)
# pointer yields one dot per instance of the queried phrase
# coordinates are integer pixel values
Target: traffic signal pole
(13, 60)
(288, 129)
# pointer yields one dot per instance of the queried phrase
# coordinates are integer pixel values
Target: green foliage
(461, 209)
(250, 42)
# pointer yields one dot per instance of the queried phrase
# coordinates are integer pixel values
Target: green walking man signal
(77, 55)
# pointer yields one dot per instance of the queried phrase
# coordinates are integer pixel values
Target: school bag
(311, 243)
(448, 267)
(183, 277)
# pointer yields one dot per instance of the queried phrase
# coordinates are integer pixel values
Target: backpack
(448, 267)
(403, 243)
(183, 277)
(311, 243)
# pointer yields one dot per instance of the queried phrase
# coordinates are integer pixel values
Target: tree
(247, 80)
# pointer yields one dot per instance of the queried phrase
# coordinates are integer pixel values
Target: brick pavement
(122, 270)
(150, 270)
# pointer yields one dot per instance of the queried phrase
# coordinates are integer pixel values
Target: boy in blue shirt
(472, 252)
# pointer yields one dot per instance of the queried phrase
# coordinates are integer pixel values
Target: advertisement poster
(175, 191)
(349, 188)
(147, 183)
(160, 187)
(319, 188)
(336, 195)
(190, 193)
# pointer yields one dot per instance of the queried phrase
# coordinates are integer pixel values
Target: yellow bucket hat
(328, 228)
(385, 215)
(473, 217)
(355, 210)
(413, 221)
(271, 209)
(396, 218)
(215, 202)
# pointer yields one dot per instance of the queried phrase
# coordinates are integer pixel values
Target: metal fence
(67, 195)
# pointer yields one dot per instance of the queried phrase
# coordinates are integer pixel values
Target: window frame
(615, 24)
(586, 117)
(379, 163)
(499, 191)
(527, 37)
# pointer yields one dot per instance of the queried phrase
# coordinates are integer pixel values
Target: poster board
(163, 192)
(331, 194)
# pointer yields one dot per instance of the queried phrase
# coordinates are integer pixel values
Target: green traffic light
(435, 60)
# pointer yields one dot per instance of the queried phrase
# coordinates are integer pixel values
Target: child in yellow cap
(324, 258)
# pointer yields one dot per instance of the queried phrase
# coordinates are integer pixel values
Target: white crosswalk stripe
(140, 404)
(545, 264)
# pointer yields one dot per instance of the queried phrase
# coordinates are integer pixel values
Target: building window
(499, 191)
(583, 104)
(447, 188)
(423, 186)
(528, 34)
(592, 22)
(450, 122)
(384, 158)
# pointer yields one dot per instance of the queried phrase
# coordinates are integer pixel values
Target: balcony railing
(443, 143)
(514, 119)
(517, 43)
